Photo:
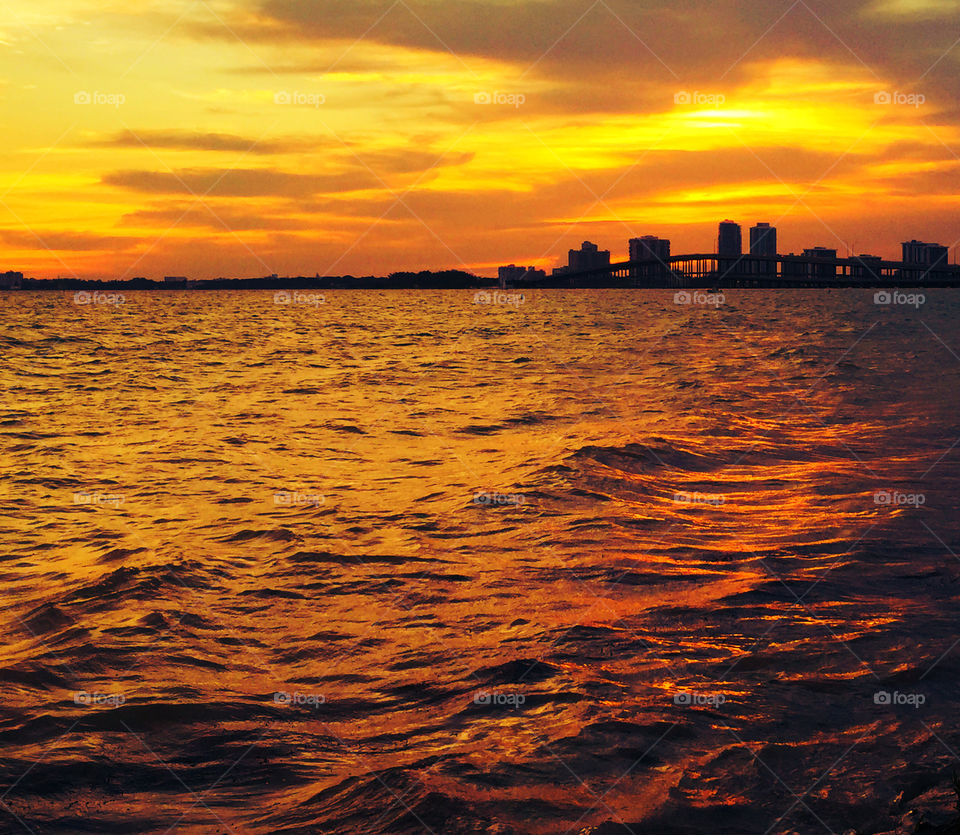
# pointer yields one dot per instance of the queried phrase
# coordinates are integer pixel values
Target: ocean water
(593, 562)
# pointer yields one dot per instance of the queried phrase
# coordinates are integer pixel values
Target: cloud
(928, 179)
(239, 182)
(695, 181)
(695, 42)
(218, 217)
(923, 9)
(354, 170)
(184, 140)
(402, 161)
(57, 241)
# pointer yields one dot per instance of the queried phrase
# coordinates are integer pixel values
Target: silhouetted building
(763, 240)
(11, 281)
(826, 271)
(649, 248)
(794, 266)
(866, 267)
(174, 281)
(512, 274)
(588, 257)
(730, 249)
(929, 256)
(730, 239)
(654, 249)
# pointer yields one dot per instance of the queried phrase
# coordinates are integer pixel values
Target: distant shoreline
(73, 285)
(461, 280)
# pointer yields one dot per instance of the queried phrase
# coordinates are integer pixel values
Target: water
(398, 562)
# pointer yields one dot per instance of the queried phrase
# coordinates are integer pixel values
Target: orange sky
(249, 137)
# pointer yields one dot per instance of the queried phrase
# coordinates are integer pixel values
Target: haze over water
(399, 562)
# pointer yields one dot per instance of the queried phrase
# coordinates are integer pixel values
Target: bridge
(712, 270)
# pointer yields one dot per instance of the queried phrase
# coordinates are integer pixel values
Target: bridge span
(712, 270)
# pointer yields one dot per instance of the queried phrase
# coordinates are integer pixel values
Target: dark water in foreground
(602, 563)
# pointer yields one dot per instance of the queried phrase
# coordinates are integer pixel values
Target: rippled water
(399, 562)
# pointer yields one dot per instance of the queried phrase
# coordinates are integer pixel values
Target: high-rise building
(510, 273)
(588, 257)
(931, 256)
(650, 248)
(654, 250)
(513, 273)
(914, 252)
(763, 240)
(939, 256)
(730, 239)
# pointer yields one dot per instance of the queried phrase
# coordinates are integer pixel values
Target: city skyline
(260, 137)
(730, 244)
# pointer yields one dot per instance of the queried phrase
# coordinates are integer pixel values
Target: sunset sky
(249, 137)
